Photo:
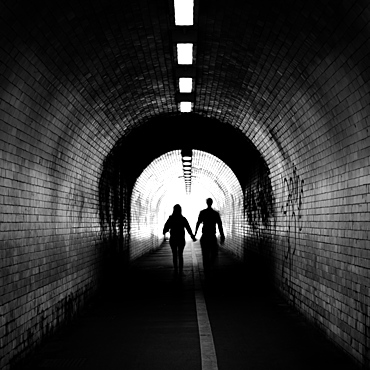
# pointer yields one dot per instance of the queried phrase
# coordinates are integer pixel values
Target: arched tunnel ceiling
(166, 133)
(264, 67)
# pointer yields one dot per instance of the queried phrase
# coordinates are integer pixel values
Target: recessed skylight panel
(185, 84)
(185, 107)
(184, 53)
(184, 12)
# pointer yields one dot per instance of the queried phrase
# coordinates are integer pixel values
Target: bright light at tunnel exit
(162, 185)
(191, 204)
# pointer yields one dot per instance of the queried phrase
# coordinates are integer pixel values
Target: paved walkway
(156, 320)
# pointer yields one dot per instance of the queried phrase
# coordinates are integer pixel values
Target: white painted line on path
(207, 348)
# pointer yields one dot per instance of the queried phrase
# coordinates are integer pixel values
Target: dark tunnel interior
(93, 122)
(164, 134)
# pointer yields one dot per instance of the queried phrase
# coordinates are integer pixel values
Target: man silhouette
(208, 242)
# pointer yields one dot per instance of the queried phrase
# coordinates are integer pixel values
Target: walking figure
(208, 242)
(176, 225)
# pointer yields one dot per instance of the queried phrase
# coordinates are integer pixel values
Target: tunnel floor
(150, 321)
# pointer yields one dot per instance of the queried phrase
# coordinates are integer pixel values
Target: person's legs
(173, 245)
(214, 251)
(181, 257)
(208, 243)
(204, 244)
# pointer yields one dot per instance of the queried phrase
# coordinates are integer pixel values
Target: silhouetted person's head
(209, 202)
(177, 209)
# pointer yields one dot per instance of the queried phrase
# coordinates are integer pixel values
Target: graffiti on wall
(113, 206)
(75, 206)
(108, 192)
(291, 209)
(260, 203)
(140, 210)
(47, 317)
(261, 225)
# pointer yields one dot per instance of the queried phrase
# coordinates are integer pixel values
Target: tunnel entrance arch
(161, 185)
(162, 134)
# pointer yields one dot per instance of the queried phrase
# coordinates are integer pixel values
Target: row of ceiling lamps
(187, 156)
(184, 36)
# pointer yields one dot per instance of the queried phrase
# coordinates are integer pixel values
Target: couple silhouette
(177, 224)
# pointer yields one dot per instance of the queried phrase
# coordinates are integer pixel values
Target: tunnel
(94, 129)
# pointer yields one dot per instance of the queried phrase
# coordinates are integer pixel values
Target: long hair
(176, 210)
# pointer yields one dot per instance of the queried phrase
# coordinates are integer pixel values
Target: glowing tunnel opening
(161, 185)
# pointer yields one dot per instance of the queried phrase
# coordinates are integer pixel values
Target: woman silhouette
(176, 225)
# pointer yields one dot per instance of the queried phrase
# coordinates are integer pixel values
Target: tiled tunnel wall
(144, 230)
(50, 244)
(295, 80)
(316, 239)
(114, 211)
(260, 225)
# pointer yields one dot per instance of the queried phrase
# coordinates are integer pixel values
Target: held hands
(194, 238)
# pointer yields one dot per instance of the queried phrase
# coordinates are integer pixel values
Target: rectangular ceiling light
(185, 106)
(185, 84)
(185, 53)
(184, 10)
